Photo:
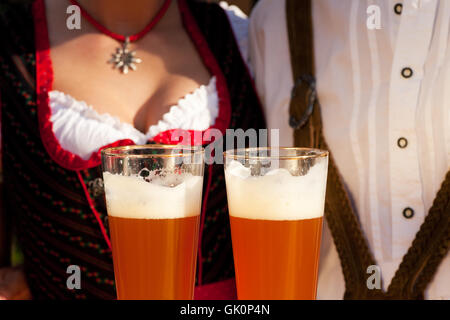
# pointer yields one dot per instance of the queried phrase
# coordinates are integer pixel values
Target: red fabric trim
(96, 214)
(44, 83)
(177, 136)
(159, 15)
(223, 290)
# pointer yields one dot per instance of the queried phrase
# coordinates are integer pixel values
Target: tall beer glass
(276, 202)
(153, 196)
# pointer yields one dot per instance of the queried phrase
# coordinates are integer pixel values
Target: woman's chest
(165, 67)
(141, 97)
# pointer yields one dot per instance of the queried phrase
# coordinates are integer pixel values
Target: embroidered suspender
(433, 239)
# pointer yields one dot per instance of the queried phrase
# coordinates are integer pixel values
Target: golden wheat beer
(276, 214)
(154, 224)
(138, 276)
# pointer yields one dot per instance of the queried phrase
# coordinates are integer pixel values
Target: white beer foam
(277, 195)
(132, 197)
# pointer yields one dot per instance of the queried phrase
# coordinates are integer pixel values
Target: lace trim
(195, 111)
(60, 100)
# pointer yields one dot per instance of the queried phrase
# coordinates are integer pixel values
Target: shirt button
(398, 8)
(408, 213)
(407, 72)
(402, 143)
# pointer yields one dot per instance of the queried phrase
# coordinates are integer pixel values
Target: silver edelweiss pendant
(124, 59)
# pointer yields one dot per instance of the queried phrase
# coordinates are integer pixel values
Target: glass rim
(233, 154)
(116, 151)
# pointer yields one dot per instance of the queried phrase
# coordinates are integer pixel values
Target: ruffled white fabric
(82, 131)
(196, 111)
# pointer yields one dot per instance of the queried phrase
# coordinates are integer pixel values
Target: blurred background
(244, 5)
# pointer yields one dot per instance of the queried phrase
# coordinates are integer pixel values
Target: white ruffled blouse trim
(61, 103)
(196, 111)
(82, 130)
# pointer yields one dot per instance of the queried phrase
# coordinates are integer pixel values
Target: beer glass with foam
(276, 203)
(153, 196)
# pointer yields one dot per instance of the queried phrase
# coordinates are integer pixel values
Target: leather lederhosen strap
(431, 243)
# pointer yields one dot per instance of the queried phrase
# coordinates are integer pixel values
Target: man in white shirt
(385, 103)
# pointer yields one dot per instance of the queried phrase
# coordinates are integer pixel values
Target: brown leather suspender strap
(432, 241)
(299, 22)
